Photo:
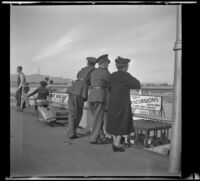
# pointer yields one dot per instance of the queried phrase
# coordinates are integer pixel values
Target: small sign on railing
(153, 103)
(60, 98)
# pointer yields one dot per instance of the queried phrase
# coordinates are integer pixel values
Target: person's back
(98, 97)
(84, 74)
(78, 94)
(80, 86)
(99, 78)
(121, 82)
(43, 93)
(119, 119)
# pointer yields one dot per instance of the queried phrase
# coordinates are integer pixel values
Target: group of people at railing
(108, 91)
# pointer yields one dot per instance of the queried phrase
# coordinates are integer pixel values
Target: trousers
(75, 104)
(97, 110)
(18, 96)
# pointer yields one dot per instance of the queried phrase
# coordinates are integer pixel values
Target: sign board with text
(152, 103)
(59, 98)
(140, 111)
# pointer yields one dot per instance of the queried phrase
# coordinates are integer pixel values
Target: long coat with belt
(97, 101)
(99, 78)
(120, 121)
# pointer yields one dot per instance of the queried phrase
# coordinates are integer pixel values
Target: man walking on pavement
(20, 83)
(98, 97)
(78, 93)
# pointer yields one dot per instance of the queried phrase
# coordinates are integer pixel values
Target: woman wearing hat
(120, 121)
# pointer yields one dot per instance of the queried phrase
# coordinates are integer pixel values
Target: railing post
(175, 150)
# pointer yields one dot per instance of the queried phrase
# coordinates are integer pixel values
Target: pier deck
(38, 150)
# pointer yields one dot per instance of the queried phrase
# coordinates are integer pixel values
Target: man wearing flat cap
(119, 117)
(98, 97)
(78, 93)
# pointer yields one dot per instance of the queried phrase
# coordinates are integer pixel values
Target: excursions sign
(146, 102)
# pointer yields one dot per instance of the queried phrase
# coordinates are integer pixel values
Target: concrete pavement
(38, 150)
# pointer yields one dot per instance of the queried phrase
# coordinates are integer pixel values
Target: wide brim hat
(103, 58)
(121, 60)
(92, 59)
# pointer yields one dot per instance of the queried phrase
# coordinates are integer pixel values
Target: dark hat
(103, 58)
(43, 83)
(19, 67)
(46, 78)
(120, 60)
(92, 59)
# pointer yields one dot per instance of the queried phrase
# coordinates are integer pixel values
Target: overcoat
(120, 121)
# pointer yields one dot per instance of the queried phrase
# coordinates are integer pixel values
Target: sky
(57, 39)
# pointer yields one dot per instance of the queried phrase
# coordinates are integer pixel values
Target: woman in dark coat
(120, 121)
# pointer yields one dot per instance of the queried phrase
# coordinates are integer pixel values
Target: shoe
(127, 145)
(93, 142)
(74, 137)
(117, 148)
(51, 124)
(106, 140)
(113, 147)
(101, 142)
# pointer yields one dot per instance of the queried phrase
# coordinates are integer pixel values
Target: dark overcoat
(120, 121)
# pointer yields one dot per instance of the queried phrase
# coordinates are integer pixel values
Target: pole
(38, 74)
(175, 150)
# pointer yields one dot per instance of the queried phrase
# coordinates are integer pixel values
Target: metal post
(176, 145)
(38, 75)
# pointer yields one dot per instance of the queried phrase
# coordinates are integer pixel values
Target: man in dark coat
(119, 120)
(78, 93)
(98, 96)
